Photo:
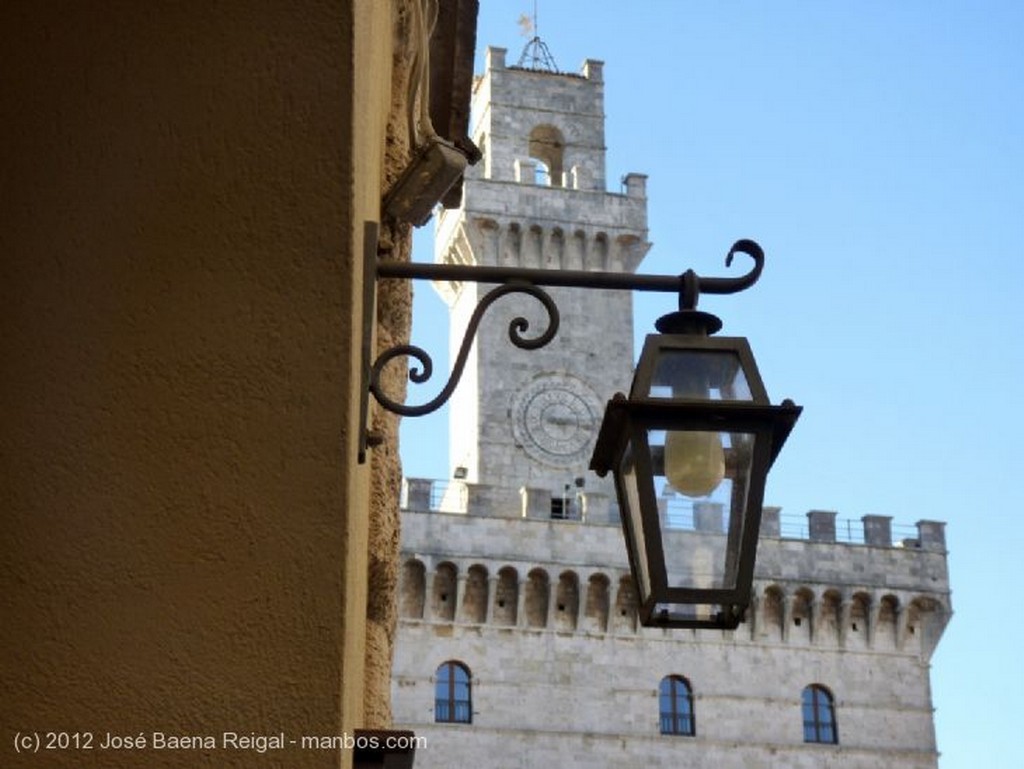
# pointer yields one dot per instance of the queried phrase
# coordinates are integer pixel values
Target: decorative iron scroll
(516, 328)
(688, 286)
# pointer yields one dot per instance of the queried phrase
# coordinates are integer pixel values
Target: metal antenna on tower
(535, 54)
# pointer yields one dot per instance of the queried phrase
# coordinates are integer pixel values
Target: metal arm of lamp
(688, 286)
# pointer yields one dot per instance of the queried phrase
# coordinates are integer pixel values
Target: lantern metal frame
(627, 423)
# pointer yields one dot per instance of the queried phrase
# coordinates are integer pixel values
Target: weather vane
(535, 54)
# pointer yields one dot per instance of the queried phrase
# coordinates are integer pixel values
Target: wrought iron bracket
(688, 286)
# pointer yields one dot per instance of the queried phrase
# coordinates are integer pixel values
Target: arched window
(547, 145)
(452, 701)
(819, 715)
(676, 703)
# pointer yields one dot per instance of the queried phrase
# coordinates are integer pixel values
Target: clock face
(555, 420)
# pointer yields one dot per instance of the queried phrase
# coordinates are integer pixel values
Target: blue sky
(874, 149)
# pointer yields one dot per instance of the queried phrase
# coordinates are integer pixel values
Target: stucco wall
(185, 530)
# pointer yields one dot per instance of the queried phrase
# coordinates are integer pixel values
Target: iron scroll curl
(693, 285)
(517, 329)
(743, 282)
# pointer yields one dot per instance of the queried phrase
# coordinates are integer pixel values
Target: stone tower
(523, 423)
(518, 643)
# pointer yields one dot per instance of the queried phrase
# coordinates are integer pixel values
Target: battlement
(495, 60)
(557, 119)
(580, 230)
(853, 584)
(423, 495)
(571, 576)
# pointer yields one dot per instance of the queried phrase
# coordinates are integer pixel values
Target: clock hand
(555, 420)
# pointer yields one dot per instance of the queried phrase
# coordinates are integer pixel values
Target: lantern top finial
(689, 322)
(688, 319)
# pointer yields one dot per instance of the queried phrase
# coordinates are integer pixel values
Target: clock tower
(523, 423)
(518, 630)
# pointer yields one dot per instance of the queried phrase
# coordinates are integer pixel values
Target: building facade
(518, 642)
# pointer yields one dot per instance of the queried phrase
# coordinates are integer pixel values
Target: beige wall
(184, 525)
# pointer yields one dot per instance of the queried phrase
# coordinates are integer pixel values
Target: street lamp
(697, 424)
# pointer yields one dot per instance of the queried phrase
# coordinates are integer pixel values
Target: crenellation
(822, 525)
(494, 57)
(800, 560)
(536, 503)
(635, 185)
(569, 109)
(877, 530)
(789, 612)
(770, 521)
(932, 535)
(416, 494)
(525, 170)
(593, 70)
(596, 507)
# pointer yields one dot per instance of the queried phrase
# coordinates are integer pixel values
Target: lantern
(690, 450)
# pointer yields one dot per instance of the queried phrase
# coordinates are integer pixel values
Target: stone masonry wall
(543, 615)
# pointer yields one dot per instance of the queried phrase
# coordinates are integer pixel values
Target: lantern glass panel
(702, 503)
(629, 482)
(694, 612)
(709, 375)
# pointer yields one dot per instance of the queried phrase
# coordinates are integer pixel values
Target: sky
(874, 149)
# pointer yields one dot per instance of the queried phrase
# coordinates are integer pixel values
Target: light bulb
(694, 462)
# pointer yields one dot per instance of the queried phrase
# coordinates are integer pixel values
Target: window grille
(819, 715)
(453, 702)
(676, 704)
